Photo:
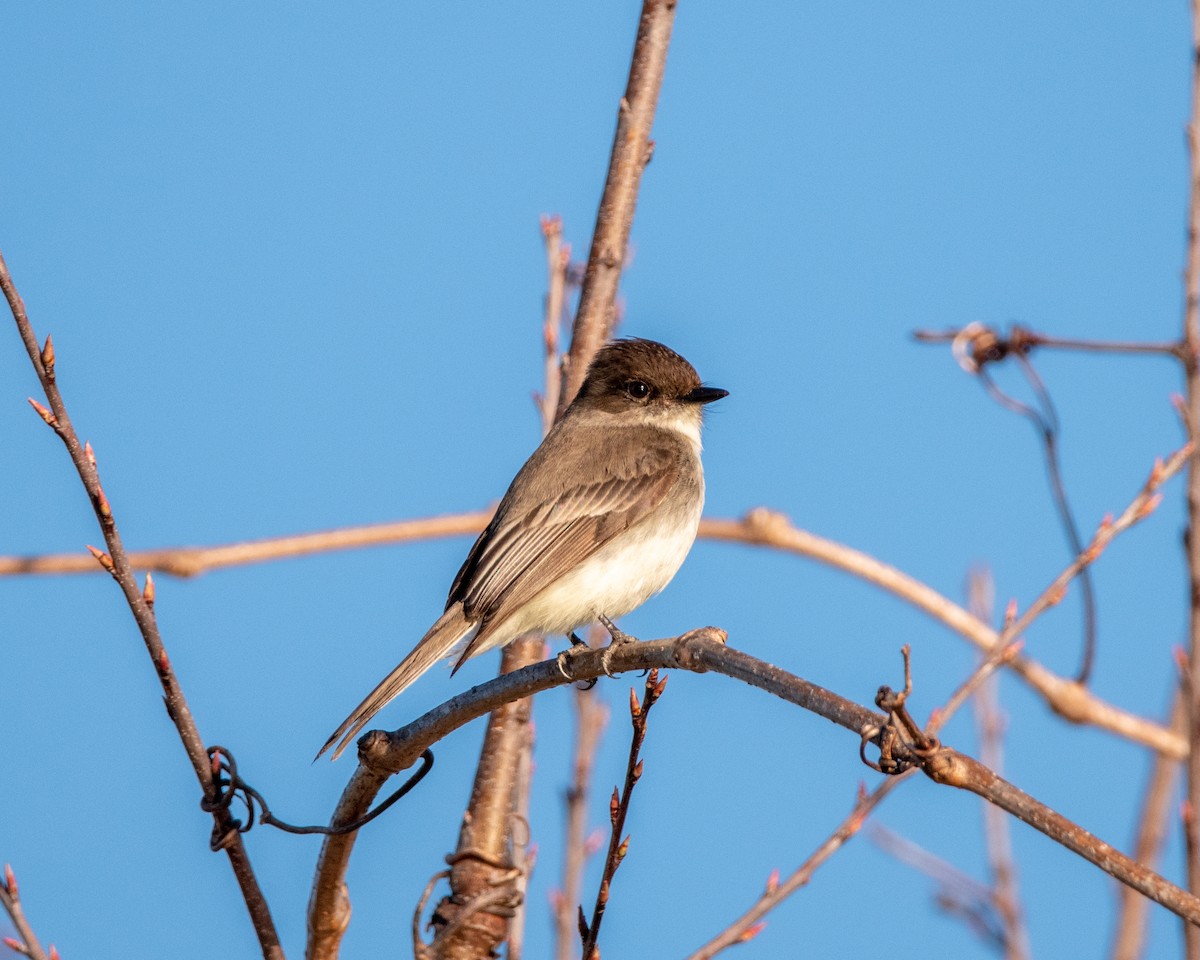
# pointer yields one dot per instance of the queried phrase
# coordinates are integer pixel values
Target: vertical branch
(522, 857)
(474, 919)
(990, 720)
(1005, 894)
(590, 718)
(495, 777)
(558, 255)
(1191, 342)
(1130, 936)
(631, 151)
(225, 834)
(466, 927)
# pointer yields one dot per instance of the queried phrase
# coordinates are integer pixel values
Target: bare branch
(990, 721)
(985, 344)
(193, 561)
(1191, 344)
(10, 900)
(1067, 698)
(1130, 935)
(591, 716)
(618, 811)
(631, 150)
(382, 754)
(954, 769)
(116, 562)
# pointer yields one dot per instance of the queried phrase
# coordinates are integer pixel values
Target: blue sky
(290, 257)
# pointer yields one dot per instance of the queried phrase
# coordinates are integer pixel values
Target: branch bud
(148, 590)
(10, 881)
(752, 932)
(48, 358)
(51, 419)
(102, 558)
(1149, 506)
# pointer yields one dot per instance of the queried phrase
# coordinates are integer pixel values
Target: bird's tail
(436, 645)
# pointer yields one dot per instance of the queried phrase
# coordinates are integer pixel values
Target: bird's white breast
(618, 578)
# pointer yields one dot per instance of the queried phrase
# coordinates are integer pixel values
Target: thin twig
(1142, 505)
(591, 716)
(116, 562)
(989, 719)
(1020, 339)
(193, 561)
(1129, 938)
(750, 924)
(27, 942)
(639, 714)
(1191, 343)
(558, 256)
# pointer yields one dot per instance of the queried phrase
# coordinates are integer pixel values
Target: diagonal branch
(10, 902)
(141, 604)
(631, 151)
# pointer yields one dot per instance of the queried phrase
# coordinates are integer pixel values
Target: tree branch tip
(48, 357)
(102, 558)
(772, 881)
(50, 419)
(752, 932)
(10, 882)
(1149, 506)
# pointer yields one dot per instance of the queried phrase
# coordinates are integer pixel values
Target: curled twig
(230, 785)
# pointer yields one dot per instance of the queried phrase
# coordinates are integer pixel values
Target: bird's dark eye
(637, 389)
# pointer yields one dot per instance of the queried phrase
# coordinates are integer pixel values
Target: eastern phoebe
(596, 522)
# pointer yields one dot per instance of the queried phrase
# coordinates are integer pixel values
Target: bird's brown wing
(523, 552)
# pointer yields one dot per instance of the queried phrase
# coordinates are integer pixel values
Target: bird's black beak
(704, 395)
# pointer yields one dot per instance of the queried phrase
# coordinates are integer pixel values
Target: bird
(597, 521)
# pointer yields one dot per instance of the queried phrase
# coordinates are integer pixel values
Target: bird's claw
(619, 638)
(577, 647)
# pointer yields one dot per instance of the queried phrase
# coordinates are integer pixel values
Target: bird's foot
(577, 647)
(619, 638)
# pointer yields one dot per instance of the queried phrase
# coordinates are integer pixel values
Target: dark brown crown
(623, 363)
